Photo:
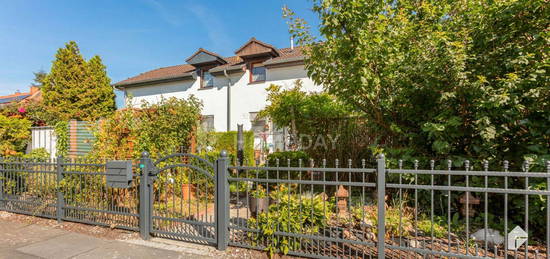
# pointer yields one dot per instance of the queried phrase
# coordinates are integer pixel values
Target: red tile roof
(180, 71)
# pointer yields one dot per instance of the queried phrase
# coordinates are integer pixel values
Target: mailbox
(119, 174)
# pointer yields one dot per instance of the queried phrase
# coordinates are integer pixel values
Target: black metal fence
(320, 209)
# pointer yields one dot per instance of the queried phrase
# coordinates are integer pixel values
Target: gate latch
(119, 174)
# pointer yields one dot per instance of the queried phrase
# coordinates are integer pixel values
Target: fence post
(381, 194)
(145, 197)
(222, 201)
(60, 201)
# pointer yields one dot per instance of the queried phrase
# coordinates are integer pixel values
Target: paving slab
(64, 246)
(6, 253)
(16, 234)
(122, 250)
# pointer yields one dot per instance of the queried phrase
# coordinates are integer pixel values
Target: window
(257, 72)
(258, 124)
(207, 80)
(207, 122)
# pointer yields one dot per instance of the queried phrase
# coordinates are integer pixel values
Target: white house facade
(232, 89)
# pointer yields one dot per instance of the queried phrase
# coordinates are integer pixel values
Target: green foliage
(38, 154)
(285, 214)
(14, 135)
(443, 78)
(259, 192)
(161, 128)
(61, 130)
(319, 124)
(76, 88)
(218, 141)
(281, 158)
(39, 78)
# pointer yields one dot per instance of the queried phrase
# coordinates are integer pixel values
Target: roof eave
(272, 62)
(183, 77)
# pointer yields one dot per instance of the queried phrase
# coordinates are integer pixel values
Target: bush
(162, 128)
(14, 135)
(286, 215)
(218, 141)
(284, 156)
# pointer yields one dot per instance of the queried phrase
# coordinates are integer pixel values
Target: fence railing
(67, 189)
(338, 209)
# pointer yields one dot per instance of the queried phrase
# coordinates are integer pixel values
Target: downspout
(228, 99)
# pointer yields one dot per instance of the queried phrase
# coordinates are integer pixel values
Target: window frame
(251, 74)
(202, 81)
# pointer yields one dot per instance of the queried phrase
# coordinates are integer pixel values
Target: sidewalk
(30, 237)
(19, 240)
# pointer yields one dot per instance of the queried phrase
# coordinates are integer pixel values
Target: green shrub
(40, 154)
(286, 214)
(162, 128)
(285, 156)
(218, 141)
(14, 135)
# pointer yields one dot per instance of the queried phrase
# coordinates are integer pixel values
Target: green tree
(77, 89)
(301, 112)
(39, 78)
(443, 78)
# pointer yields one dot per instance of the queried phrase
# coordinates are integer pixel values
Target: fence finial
(400, 163)
(416, 164)
(506, 164)
(449, 164)
(432, 164)
(548, 165)
(223, 154)
(486, 165)
(145, 154)
(467, 164)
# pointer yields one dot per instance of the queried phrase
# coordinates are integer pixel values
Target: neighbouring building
(232, 89)
(34, 94)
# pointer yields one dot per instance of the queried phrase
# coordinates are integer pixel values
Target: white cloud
(165, 13)
(215, 29)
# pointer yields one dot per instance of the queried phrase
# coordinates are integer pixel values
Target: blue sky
(133, 36)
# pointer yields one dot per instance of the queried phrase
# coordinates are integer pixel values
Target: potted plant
(188, 189)
(258, 201)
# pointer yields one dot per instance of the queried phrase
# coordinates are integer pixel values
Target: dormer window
(257, 72)
(207, 80)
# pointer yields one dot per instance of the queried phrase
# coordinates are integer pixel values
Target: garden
(454, 94)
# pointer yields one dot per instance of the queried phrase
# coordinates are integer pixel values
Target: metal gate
(181, 198)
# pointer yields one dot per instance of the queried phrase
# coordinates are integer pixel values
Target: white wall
(245, 97)
(43, 137)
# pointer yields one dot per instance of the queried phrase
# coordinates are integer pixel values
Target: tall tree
(443, 77)
(39, 78)
(100, 96)
(76, 89)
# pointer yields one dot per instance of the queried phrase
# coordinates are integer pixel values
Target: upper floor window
(207, 79)
(257, 72)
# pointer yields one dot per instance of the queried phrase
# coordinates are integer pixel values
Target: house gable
(204, 58)
(255, 48)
